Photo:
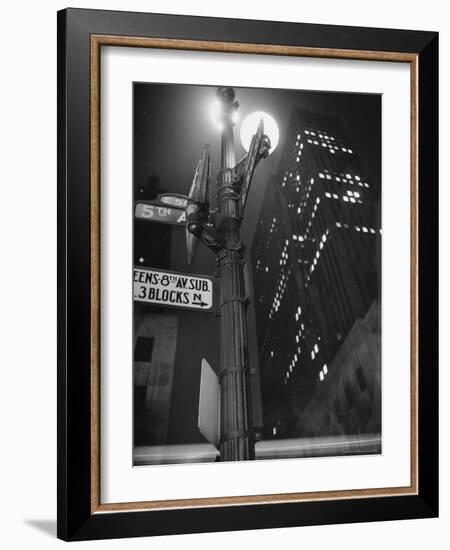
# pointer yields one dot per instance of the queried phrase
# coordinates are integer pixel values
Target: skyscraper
(316, 261)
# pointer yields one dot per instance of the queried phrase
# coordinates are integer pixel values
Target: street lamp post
(220, 231)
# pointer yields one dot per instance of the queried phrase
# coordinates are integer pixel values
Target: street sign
(198, 199)
(174, 289)
(250, 161)
(155, 212)
(209, 404)
(173, 200)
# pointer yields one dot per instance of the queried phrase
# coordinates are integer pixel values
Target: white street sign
(173, 200)
(209, 404)
(170, 288)
(159, 213)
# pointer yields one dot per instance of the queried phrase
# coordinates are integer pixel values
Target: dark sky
(171, 125)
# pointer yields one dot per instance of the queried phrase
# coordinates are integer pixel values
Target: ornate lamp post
(220, 231)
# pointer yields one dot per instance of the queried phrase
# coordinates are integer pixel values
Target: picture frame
(81, 36)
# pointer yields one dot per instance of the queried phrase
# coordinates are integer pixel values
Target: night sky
(171, 125)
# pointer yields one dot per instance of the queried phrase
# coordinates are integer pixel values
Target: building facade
(154, 333)
(316, 266)
(155, 338)
(348, 401)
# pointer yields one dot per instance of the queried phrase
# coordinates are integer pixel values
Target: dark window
(338, 410)
(348, 394)
(143, 350)
(361, 378)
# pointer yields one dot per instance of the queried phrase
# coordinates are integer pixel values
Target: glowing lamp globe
(250, 125)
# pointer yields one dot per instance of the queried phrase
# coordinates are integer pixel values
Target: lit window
(345, 199)
(372, 230)
(357, 178)
(267, 269)
(313, 355)
(274, 431)
(352, 199)
(348, 176)
(316, 348)
(350, 193)
(321, 376)
(356, 194)
(325, 369)
(365, 229)
(328, 195)
(324, 238)
(321, 175)
(335, 196)
(357, 228)
(338, 224)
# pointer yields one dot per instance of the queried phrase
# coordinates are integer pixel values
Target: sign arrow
(201, 304)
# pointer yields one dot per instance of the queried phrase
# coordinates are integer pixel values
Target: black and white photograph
(224, 292)
(257, 254)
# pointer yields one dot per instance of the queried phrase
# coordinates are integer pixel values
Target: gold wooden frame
(97, 41)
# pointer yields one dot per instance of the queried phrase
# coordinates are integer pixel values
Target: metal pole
(237, 441)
